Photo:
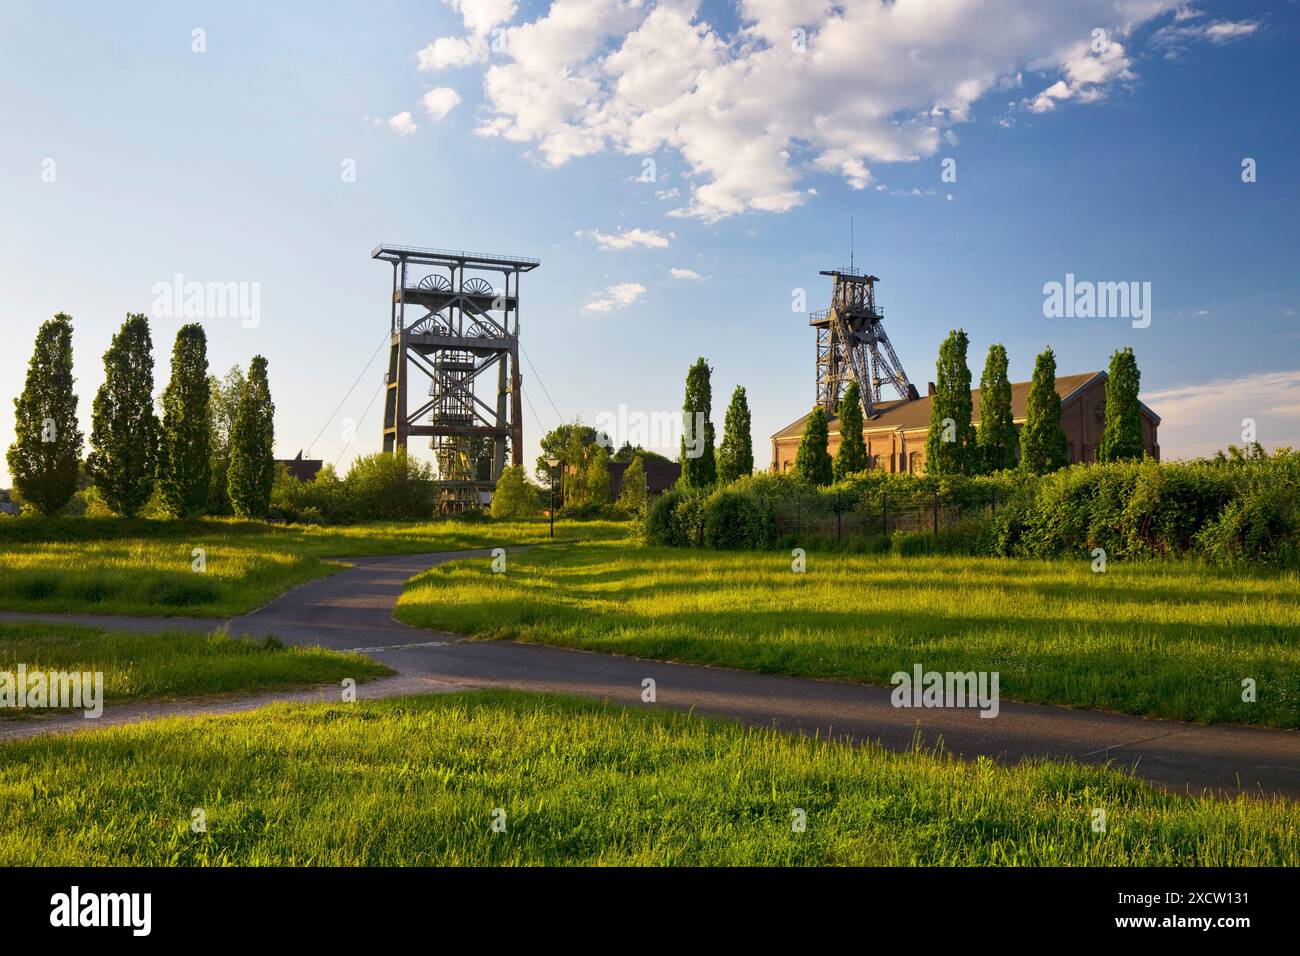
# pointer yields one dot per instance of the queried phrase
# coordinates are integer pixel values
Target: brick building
(895, 436)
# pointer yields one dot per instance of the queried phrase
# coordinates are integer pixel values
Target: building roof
(909, 416)
(659, 475)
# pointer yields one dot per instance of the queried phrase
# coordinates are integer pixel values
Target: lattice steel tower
(457, 329)
(852, 345)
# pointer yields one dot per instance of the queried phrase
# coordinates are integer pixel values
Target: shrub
(389, 485)
(514, 497)
(1263, 526)
(734, 521)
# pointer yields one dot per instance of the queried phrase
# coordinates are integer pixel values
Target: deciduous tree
(996, 437)
(46, 452)
(124, 429)
(736, 453)
(852, 454)
(184, 454)
(252, 443)
(1042, 440)
(1122, 436)
(950, 442)
(812, 463)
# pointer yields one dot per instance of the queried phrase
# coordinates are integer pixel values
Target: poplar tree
(852, 455)
(46, 452)
(597, 477)
(1122, 436)
(1042, 441)
(996, 437)
(184, 454)
(950, 442)
(700, 471)
(736, 453)
(124, 429)
(812, 463)
(252, 440)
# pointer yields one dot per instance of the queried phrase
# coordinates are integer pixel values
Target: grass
(1167, 640)
(416, 781)
(114, 566)
(173, 664)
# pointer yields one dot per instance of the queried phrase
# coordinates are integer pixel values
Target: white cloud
(627, 238)
(1087, 74)
(686, 274)
(402, 124)
(615, 297)
(440, 101)
(480, 16)
(1224, 30)
(447, 52)
(1175, 37)
(1198, 420)
(750, 112)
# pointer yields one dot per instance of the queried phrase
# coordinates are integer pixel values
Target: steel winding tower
(852, 345)
(451, 325)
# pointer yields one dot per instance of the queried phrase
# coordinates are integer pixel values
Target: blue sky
(1118, 163)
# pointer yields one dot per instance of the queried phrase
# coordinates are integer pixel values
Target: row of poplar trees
(732, 459)
(134, 452)
(954, 446)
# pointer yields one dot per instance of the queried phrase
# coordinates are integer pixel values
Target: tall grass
(173, 664)
(419, 781)
(1164, 639)
(114, 566)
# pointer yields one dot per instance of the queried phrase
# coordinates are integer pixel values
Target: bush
(733, 521)
(1259, 527)
(392, 486)
(514, 497)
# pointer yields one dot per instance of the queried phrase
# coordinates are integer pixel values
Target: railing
(455, 254)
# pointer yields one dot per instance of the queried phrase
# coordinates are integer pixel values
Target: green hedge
(1243, 510)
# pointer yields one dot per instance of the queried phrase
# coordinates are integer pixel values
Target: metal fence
(826, 516)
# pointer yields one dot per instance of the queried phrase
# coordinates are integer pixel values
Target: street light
(551, 463)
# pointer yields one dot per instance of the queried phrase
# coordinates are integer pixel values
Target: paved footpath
(352, 610)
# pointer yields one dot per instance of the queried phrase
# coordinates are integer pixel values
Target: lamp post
(551, 464)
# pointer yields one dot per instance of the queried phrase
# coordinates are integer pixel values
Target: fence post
(936, 511)
(884, 511)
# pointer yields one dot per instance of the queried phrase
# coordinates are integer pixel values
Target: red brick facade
(895, 437)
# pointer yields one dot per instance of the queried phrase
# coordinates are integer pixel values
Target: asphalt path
(352, 610)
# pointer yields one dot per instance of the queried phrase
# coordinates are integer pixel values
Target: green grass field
(173, 664)
(111, 566)
(1168, 640)
(417, 781)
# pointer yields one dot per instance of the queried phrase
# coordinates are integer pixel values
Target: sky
(683, 171)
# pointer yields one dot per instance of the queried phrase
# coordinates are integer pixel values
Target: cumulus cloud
(686, 274)
(616, 297)
(1198, 420)
(401, 124)
(752, 111)
(440, 101)
(626, 238)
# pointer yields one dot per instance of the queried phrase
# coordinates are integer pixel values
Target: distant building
(660, 476)
(304, 469)
(895, 436)
(7, 504)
